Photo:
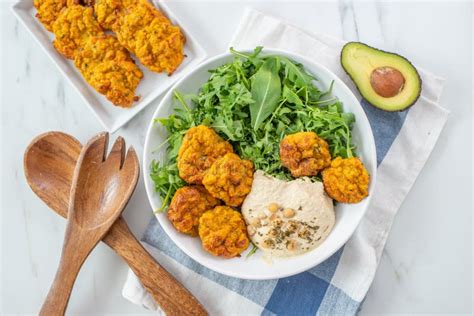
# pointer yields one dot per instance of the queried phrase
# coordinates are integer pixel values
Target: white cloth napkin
(404, 141)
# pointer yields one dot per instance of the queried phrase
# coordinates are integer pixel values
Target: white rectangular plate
(151, 86)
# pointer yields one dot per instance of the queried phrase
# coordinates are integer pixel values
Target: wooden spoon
(101, 187)
(49, 164)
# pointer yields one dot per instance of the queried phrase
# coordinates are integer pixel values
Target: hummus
(286, 218)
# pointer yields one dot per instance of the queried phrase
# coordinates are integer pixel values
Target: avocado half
(386, 80)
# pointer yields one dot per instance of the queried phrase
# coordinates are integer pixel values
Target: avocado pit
(387, 81)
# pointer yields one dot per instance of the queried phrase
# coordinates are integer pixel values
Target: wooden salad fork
(49, 163)
(101, 188)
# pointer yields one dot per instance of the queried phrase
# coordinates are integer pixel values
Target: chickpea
(273, 232)
(288, 212)
(291, 245)
(255, 222)
(273, 217)
(268, 243)
(277, 222)
(273, 207)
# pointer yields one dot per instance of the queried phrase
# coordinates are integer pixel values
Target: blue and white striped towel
(404, 140)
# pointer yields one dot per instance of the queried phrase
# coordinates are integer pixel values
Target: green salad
(253, 102)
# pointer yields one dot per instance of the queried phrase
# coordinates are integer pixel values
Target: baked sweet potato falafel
(148, 34)
(107, 66)
(108, 12)
(304, 154)
(200, 148)
(144, 31)
(223, 232)
(187, 206)
(229, 179)
(346, 180)
(74, 25)
(48, 11)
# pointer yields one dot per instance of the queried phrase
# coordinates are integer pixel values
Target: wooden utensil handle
(172, 297)
(60, 291)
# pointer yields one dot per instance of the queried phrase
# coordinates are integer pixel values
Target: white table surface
(427, 263)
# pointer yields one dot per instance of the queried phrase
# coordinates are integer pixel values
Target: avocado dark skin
(387, 88)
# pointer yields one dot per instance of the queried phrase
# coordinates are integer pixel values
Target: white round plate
(256, 267)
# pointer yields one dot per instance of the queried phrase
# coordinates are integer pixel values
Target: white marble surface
(427, 264)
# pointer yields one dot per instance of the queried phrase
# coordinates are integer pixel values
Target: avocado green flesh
(360, 60)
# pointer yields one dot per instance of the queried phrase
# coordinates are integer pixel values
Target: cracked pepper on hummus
(286, 218)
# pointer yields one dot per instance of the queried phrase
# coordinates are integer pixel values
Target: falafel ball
(200, 148)
(304, 154)
(223, 232)
(229, 179)
(187, 206)
(346, 180)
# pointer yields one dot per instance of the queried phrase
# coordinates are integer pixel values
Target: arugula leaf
(253, 58)
(291, 96)
(252, 251)
(296, 74)
(266, 90)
